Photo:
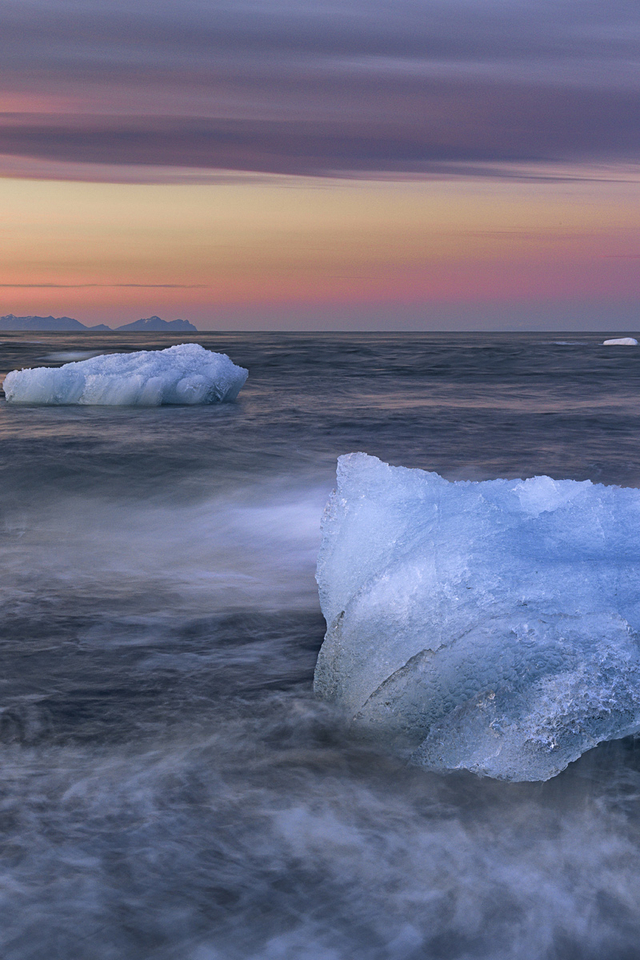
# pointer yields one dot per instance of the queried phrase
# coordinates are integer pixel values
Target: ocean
(169, 787)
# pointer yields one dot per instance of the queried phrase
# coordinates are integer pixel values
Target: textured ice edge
(186, 373)
(488, 626)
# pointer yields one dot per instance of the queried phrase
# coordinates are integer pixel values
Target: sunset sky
(356, 165)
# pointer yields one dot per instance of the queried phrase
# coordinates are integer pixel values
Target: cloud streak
(350, 89)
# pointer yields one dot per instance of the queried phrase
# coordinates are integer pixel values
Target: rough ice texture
(489, 626)
(621, 342)
(182, 374)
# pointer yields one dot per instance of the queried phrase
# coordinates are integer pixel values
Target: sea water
(169, 786)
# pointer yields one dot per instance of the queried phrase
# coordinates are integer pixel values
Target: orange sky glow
(113, 251)
(360, 165)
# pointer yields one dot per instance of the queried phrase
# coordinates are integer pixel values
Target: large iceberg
(186, 373)
(488, 626)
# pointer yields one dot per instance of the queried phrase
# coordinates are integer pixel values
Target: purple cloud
(359, 87)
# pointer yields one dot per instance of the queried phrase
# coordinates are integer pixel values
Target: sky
(442, 164)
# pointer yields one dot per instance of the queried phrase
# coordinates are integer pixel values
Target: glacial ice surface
(184, 374)
(621, 342)
(488, 626)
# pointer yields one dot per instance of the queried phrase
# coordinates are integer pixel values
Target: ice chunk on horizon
(488, 626)
(621, 342)
(183, 374)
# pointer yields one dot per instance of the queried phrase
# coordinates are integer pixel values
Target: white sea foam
(183, 374)
(489, 626)
(621, 342)
(69, 356)
(253, 550)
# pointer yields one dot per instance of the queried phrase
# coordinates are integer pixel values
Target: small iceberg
(620, 342)
(486, 626)
(184, 374)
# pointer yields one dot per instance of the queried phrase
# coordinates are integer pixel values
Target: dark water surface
(168, 786)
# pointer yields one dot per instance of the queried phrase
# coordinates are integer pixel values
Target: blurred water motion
(170, 789)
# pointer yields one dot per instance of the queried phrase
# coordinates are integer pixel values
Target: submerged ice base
(184, 374)
(488, 626)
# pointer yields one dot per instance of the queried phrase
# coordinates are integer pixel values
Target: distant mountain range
(69, 325)
(156, 325)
